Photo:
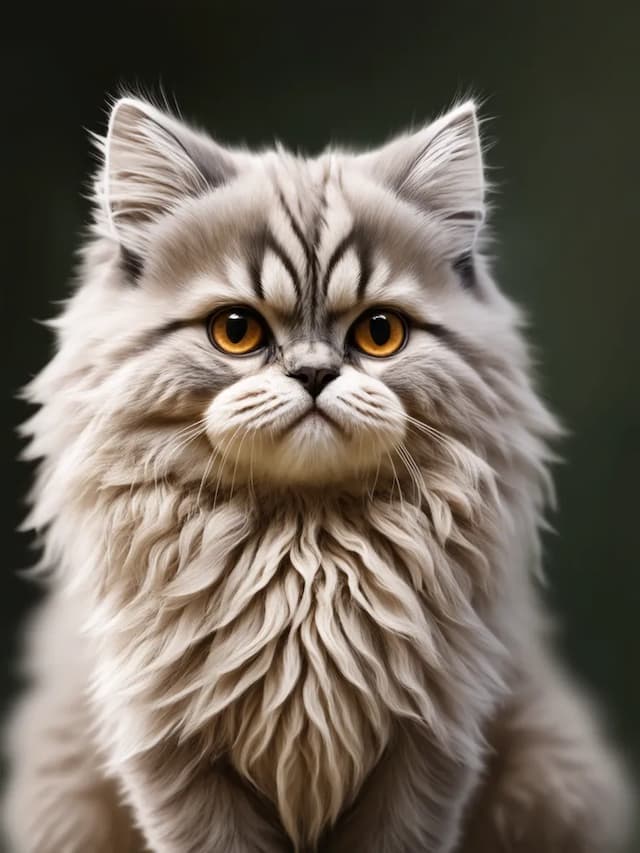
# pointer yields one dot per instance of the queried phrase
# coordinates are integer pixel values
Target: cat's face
(268, 318)
(304, 333)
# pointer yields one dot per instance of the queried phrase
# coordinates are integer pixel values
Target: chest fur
(291, 644)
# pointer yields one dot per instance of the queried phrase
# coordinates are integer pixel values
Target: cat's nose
(314, 379)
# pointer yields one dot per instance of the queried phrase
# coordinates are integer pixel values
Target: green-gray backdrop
(560, 83)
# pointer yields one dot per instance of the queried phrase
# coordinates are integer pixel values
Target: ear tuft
(440, 170)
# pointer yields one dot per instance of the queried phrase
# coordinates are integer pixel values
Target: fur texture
(284, 622)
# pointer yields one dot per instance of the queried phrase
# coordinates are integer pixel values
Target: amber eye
(237, 331)
(379, 333)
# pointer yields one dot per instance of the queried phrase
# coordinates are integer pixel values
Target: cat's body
(294, 544)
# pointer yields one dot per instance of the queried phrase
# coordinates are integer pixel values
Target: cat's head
(264, 317)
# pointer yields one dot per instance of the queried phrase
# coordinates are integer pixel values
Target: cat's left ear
(440, 170)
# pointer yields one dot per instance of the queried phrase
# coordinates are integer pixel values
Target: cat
(292, 472)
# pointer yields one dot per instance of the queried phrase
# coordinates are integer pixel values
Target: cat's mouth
(296, 438)
(314, 417)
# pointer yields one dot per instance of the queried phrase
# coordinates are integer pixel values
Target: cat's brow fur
(268, 631)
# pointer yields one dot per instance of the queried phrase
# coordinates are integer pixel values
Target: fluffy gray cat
(292, 474)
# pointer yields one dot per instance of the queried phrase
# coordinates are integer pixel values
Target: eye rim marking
(265, 336)
(368, 315)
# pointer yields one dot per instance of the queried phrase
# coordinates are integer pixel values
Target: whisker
(235, 465)
(192, 432)
(225, 453)
(463, 457)
(375, 481)
(254, 407)
(413, 469)
(421, 425)
(274, 409)
(266, 406)
(191, 426)
(252, 491)
(204, 476)
(396, 481)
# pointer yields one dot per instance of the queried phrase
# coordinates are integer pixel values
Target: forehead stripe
(272, 243)
(338, 252)
(297, 230)
(366, 267)
(319, 223)
(255, 265)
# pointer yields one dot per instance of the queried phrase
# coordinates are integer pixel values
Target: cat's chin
(314, 450)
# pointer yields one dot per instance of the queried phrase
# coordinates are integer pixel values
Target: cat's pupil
(236, 327)
(380, 329)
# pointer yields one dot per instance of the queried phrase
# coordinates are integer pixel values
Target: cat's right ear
(151, 163)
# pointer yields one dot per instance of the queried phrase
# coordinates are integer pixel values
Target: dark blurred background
(560, 83)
